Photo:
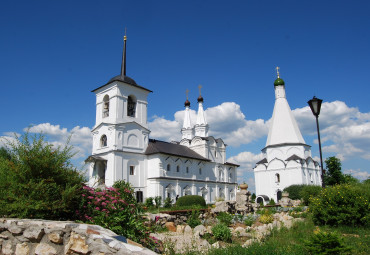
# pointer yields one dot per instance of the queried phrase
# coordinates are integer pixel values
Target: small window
(215, 154)
(277, 178)
(311, 178)
(105, 106)
(230, 177)
(103, 141)
(187, 169)
(168, 167)
(132, 170)
(200, 171)
(178, 169)
(131, 106)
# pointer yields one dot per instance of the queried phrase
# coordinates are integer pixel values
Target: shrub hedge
(308, 192)
(342, 205)
(294, 191)
(190, 200)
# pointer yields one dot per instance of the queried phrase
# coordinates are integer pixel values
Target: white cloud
(361, 175)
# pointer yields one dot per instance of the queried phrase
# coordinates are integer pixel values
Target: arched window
(221, 175)
(131, 106)
(105, 106)
(215, 153)
(178, 169)
(103, 141)
(132, 170)
(168, 167)
(230, 177)
(277, 178)
(187, 190)
(200, 171)
(187, 169)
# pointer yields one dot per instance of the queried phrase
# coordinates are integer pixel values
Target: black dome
(124, 79)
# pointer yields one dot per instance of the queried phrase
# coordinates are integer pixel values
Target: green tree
(37, 180)
(4, 154)
(333, 173)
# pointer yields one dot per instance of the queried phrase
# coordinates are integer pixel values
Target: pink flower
(97, 208)
(114, 201)
(83, 195)
(103, 204)
(89, 202)
(90, 197)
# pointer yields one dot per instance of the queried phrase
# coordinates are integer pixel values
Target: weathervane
(277, 71)
(200, 87)
(187, 93)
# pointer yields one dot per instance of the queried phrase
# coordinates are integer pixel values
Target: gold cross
(200, 87)
(187, 93)
(277, 71)
(125, 37)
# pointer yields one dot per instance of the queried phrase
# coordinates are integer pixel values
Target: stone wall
(41, 237)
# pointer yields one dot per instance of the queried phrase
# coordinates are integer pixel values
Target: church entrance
(278, 196)
(100, 167)
(139, 196)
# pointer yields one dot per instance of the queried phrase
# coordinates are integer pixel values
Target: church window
(277, 178)
(200, 171)
(139, 196)
(221, 175)
(230, 177)
(168, 167)
(131, 106)
(178, 169)
(103, 141)
(132, 170)
(187, 169)
(215, 154)
(105, 106)
(311, 178)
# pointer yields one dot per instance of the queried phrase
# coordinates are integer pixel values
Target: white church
(123, 150)
(287, 158)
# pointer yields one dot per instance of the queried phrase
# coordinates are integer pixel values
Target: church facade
(286, 157)
(123, 150)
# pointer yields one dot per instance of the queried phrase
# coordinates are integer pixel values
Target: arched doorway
(279, 195)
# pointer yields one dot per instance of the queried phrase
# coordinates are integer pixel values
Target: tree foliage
(333, 173)
(37, 179)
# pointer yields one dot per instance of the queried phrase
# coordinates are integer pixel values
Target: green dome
(278, 82)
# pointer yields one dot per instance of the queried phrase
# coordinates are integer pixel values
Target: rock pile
(41, 237)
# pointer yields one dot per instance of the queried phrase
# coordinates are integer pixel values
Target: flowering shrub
(115, 208)
(342, 205)
(266, 218)
(309, 191)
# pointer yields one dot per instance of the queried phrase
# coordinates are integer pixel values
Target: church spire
(123, 64)
(201, 127)
(187, 129)
(284, 128)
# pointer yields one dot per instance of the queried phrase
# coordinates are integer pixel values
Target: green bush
(191, 200)
(193, 219)
(309, 191)
(326, 243)
(271, 202)
(294, 191)
(37, 180)
(149, 202)
(222, 232)
(342, 205)
(158, 201)
(225, 218)
(249, 220)
(167, 203)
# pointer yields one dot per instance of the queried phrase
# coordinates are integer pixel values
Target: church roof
(294, 157)
(124, 79)
(174, 149)
(263, 161)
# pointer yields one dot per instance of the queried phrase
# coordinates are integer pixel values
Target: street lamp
(315, 105)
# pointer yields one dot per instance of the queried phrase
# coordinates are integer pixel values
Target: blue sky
(53, 53)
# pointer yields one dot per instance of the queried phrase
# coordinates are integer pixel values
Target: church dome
(278, 82)
(187, 103)
(124, 79)
(200, 99)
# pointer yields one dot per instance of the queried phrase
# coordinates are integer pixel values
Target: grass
(292, 241)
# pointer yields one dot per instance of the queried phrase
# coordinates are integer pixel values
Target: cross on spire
(200, 87)
(187, 94)
(277, 71)
(123, 64)
(125, 37)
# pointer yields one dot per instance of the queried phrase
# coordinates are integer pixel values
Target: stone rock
(171, 226)
(76, 244)
(180, 229)
(34, 233)
(239, 231)
(216, 245)
(45, 249)
(56, 237)
(7, 248)
(249, 242)
(15, 230)
(22, 249)
(201, 229)
(188, 230)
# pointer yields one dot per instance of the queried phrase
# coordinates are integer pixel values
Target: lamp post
(315, 105)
